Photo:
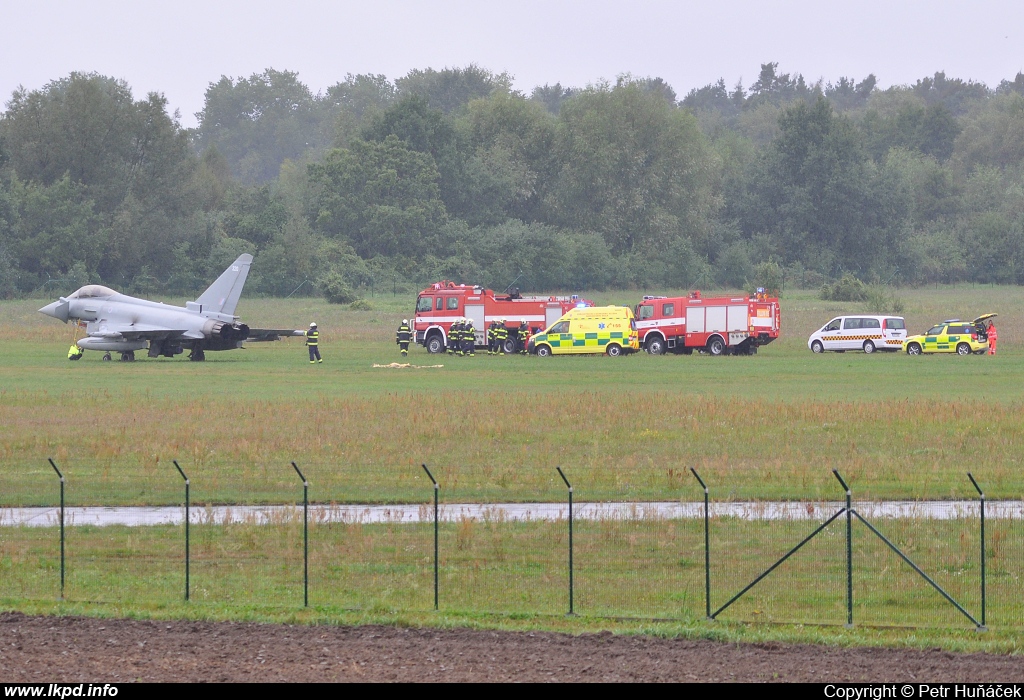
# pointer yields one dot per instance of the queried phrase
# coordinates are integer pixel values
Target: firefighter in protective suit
(455, 337)
(523, 336)
(468, 339)
(313, 343)
(491, 344)
(501, 335)
(403, 337)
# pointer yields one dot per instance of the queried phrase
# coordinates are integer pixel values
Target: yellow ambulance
(591, 330)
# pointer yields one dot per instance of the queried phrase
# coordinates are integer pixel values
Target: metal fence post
(61, 526)
(707, 550)
(561, 474)
(187, 518)
(305, 536)
(849, 550)
(981, 497)
(436, 571)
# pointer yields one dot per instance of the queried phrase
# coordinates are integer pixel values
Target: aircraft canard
(117, 322)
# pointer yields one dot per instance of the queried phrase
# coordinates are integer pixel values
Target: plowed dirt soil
(75, 649)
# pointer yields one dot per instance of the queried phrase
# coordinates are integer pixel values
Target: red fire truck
(716, 325)
(442, 303)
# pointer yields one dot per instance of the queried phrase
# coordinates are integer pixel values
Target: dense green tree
(380, 197)
(258, 122)
(633, 167)
(451, 89)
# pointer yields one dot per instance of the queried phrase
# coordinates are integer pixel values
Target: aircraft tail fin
(222, 296)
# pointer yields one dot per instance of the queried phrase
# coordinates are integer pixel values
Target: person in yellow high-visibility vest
(313, 343)
(75, 352)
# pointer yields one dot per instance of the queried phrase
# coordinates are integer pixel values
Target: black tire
(716, 347)
(656, 345)
(510, 346)
(543, 351)
(613, 350)
(963, 349)
(197, 355)
(869, 347)
(106, 357)
(128, 356)
(435, 344)
(913, 349)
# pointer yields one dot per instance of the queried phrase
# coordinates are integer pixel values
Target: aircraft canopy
(92, 290)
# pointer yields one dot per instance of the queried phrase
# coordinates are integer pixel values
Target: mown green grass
(514, 573)
(493, 429)
(770, 426)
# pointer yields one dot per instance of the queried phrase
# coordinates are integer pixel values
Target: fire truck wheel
(510, 346)
(656, 346)
(435, 345)
(716, 346)
(869, 347)
(817, 348)
(613, 350)
(543, 351)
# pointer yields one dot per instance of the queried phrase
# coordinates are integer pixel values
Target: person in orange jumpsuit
(992, 337)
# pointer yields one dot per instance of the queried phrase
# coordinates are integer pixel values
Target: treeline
(453, 174)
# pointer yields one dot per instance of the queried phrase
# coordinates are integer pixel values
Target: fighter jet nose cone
(58, 309)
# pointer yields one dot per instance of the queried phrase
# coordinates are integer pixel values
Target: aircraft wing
(136, 331)
(257, 335)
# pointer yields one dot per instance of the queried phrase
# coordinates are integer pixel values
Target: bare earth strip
(75, 649)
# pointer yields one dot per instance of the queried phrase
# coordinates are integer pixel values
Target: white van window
(852, 323)
(895, 324)
(833, 325)
(870, 323)
(560, 327)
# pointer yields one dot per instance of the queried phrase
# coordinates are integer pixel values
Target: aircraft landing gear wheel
(128, 356)
(197, 355)
(817, 348)
(106, 357)
(869, 347)
(963, 349)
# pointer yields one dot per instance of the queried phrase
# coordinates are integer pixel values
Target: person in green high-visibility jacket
(75, 353)
(313, 343)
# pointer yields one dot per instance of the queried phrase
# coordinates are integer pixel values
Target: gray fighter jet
(120, 323)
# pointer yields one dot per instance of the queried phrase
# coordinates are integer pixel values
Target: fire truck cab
(715, 325)
(443, 303)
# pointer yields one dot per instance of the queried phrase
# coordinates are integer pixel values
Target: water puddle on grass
(508, 512)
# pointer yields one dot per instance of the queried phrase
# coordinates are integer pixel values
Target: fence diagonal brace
(776, 565)
(916, 568)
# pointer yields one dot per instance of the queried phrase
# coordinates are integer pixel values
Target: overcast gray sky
(178, 48)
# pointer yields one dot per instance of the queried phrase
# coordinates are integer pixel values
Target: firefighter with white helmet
(313, 343)
(403, 337)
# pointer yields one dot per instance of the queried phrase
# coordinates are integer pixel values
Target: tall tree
(634, 168)
(258, 122)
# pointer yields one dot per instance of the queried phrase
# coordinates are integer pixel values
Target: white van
(860, 332)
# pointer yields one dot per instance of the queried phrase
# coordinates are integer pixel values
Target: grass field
(493, 429)
(770, 426)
